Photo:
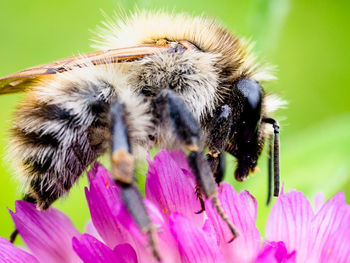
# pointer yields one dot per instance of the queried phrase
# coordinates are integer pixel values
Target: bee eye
(248, 94)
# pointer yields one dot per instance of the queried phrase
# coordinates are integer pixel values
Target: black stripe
(33, 165)
(98, 107)
(41, 187)
(37, 138)
(53, 112)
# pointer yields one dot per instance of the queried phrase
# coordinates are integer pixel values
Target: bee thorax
(191, 74)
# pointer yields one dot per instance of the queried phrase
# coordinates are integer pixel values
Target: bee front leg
(218, 135)
(217, 165)
(168, 106)
(123, 175)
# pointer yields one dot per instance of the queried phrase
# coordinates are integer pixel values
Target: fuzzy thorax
(191, 74)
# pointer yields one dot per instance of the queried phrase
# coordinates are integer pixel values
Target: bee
(159, 80)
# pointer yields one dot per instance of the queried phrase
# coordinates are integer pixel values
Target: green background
(307, 40)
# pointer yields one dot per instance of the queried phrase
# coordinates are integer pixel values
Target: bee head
(246, 138)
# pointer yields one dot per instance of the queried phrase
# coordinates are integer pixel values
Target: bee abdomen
(53, 143)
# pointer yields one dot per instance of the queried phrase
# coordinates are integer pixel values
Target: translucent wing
(19, 81)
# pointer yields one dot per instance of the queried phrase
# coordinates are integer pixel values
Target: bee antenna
(276, 159)
(269, 193)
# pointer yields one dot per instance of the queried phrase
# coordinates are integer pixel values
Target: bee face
(184, 83)
(247, 139)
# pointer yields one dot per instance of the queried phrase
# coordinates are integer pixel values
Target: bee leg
(218, 137)
(123, 175)
(201, 200)
(218, 166)
(206, 180)
(169, 106)
(13, 235)
(133, 201)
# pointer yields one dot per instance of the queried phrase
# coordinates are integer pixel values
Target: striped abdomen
(57, 134)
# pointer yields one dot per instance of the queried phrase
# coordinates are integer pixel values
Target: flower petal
(126, 252)
(209, 229)
(172, 188)
(104, 202)
(90, 250)
(275, 252)
(181, 159)
(48, 234)
(318, 201)
(290, 221)
(166, 243)
(113, 221)
(250, 203)
(337, 247)
(91, 230)
(333, 217)
(11, 254)
(110, 216)
(241, 211)
(193, 243)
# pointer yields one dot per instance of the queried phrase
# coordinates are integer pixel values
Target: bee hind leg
(169, 107)
(123, 175)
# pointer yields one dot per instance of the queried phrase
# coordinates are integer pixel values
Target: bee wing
(19, 81)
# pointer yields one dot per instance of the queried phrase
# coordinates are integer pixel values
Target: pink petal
(241, 211)
(181, 159)
(11, 254)
(275, 252)
(137, 237)
(172, 188)
(90, 250)
(290, 221)
(112, 220)
(48, 234)
(333, 217)
(250, 203)
(318, 201)
(193, 243)
(110, 217)
(104, 202)
(337, 247)
(166, 243)
(126, 252)
(209, 229)
(91, 230)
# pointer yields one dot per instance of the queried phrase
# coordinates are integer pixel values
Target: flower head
(294, 231)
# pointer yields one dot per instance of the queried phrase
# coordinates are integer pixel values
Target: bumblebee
(159, 80)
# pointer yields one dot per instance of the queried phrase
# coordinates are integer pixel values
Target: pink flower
(322, 235)
(294, 232)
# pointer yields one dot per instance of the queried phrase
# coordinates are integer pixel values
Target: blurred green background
(307, 40)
